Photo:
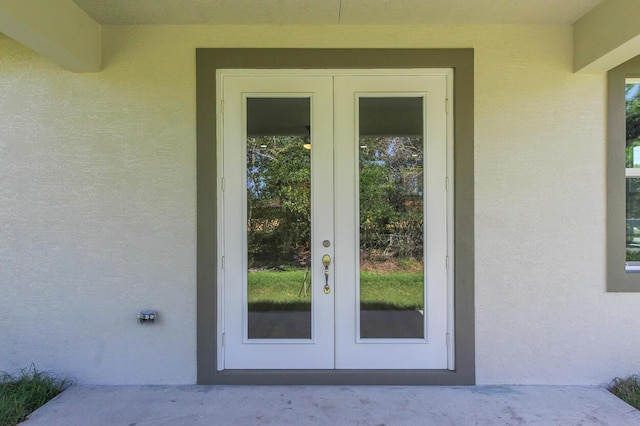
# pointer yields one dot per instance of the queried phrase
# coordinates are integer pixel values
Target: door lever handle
(326, 261)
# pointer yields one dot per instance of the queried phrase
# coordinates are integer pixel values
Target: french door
(335, 222)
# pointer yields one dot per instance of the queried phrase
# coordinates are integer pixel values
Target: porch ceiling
(323, 12)
(606, 32)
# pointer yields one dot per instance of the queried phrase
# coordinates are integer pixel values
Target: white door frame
(447, 74)
(318, 351)
(430, 351)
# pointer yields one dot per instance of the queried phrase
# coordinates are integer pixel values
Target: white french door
(335, 221)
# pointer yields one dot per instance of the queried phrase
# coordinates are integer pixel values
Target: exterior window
(632, 174)
(623, 177)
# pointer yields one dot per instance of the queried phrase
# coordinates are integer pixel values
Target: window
(623, 178)
(632, 174)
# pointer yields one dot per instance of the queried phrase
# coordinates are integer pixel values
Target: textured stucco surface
(98, 204)
(97, 214)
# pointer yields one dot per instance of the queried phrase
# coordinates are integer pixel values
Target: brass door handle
(326, 261)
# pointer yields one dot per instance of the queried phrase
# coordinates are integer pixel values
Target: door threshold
(338, 377)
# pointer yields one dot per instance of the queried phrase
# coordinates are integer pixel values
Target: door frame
(208, 61)
(438, 138)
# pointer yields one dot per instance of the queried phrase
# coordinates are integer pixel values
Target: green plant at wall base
(627, 389)
(22, 394)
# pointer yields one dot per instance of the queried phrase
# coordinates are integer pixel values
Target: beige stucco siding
(98, 204)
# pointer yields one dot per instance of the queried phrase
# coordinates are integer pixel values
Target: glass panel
(632, 92)
(278, 218)
(633, 125)
(391, 218)
(633, 220)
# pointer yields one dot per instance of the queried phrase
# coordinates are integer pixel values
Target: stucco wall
(98, 202)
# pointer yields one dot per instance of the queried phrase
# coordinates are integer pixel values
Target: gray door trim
(208, 61)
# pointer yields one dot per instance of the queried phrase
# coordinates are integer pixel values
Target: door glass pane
(391, 181)
(278, 218)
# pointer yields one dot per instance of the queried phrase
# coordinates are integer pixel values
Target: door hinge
(446, 184)
(222, 262)
(222, 184)
(447, 262)
(224, 339)
(448, 341)
(222, 107)
(446, 106)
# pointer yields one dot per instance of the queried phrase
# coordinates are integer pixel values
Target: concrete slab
(332, 405)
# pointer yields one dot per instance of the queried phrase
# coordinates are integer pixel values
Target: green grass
(280, 290)
(392, 290)
(627, 389)
(22, 394)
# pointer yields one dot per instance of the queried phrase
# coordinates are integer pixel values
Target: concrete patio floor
(334, 405)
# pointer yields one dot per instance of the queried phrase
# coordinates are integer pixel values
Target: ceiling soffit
(331, 12)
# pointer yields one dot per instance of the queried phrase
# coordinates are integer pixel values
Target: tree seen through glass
(632, 92)
(391, 218)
